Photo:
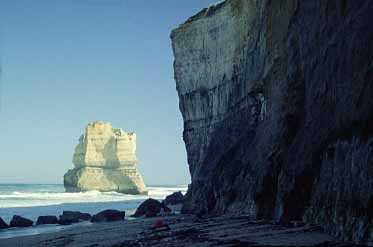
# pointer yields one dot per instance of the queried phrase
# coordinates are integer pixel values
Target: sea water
(33, 200)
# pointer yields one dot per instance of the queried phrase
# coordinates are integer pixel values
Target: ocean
(33, 200)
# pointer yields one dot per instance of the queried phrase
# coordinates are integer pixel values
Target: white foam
(32, 205)
(27, 199)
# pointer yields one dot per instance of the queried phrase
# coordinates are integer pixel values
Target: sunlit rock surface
(277, 102)
(105, 160)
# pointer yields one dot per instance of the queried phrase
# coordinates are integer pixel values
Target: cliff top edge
(205, 12)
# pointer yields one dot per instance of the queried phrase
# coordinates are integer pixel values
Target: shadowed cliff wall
(277, 102)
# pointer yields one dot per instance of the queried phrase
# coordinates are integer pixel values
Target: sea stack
(105, 160)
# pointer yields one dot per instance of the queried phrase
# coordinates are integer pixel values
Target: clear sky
(68, 62)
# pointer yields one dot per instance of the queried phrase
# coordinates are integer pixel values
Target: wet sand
(184, 230)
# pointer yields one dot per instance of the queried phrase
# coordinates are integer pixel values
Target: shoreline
(184, 230)
(31, 201)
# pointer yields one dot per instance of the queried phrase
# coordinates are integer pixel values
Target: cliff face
(105, 160)
(277, 101)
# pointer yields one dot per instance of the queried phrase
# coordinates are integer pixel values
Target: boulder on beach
(108, 215)
(18, 221)
(85, 216)
(3, 225)
(69, 217)
(174, 199)
(47, 220)
(150, 208)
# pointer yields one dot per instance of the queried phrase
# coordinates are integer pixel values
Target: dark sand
(185, 230)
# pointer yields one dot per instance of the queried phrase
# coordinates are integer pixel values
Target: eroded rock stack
(277, 101)
(105, 160)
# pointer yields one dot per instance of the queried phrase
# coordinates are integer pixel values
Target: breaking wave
(35, 200)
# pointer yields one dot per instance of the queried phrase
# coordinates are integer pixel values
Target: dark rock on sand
(3, 225)
(85, 217)
(47, 220)
(150, 208)
(18, 221)
(166, 209)
(108, 215)
(69, 217)
(174, 199)
(277, 102)
(64, 220)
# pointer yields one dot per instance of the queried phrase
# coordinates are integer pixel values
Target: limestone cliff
(105, 160)
(277, 102)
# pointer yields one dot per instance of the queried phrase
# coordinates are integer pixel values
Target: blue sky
(68, 62)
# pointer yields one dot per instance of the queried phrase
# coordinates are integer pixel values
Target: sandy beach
(184, 230)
